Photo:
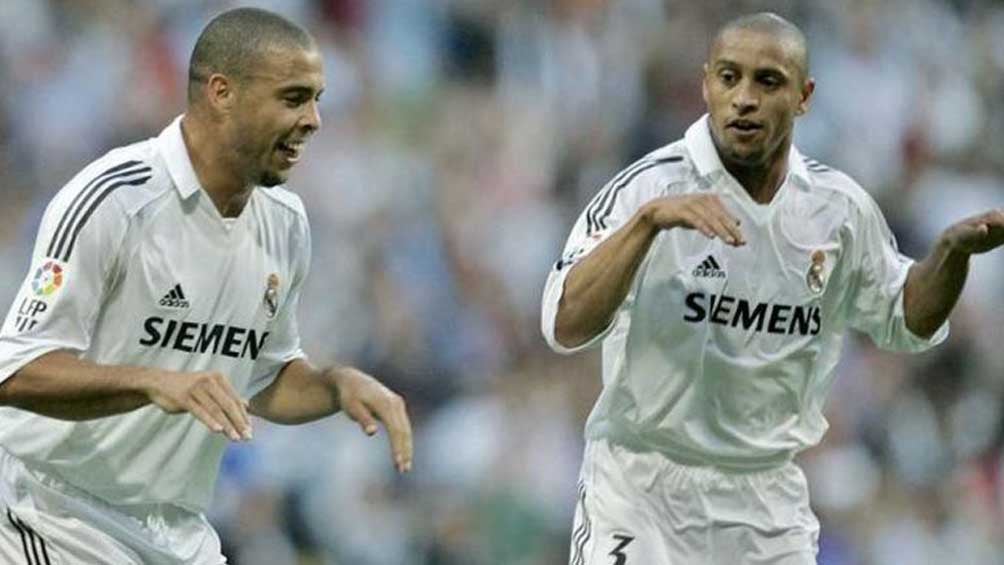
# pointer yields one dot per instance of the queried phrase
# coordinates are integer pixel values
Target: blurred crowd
(461, 138)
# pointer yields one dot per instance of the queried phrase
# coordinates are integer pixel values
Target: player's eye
(728, 77)
(293, 101)
(770, 80)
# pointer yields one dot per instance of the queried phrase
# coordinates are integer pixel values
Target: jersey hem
(691, 458)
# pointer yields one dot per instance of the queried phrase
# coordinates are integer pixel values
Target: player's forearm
(598, 284)
(301, 393)
(933, 286)
(60, 385)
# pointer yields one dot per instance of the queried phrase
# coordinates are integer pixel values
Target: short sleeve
(610, 209)
(879, 280)
(283, 345)
(72, 267)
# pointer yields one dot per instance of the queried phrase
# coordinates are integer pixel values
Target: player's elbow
(571, 331)
(13, 393)
(568, 336)
(6, 397)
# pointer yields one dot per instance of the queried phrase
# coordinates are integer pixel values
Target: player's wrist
(950, 246)
(646, 217)
(148, 382)
(333, 377)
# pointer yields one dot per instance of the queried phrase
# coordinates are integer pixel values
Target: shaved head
(777, 27)
(235, 42)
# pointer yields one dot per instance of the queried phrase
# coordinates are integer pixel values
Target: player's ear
(805, 95)
(220, 92)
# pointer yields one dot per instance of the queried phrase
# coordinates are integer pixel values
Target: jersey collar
(179, 164)
(705, 155)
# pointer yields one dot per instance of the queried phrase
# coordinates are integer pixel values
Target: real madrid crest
(272, 295)
(816, 277)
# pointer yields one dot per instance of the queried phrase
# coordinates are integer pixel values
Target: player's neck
(761, 181)
(228, 191)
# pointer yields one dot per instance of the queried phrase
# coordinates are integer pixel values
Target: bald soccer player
(721, 273)
(160, 311)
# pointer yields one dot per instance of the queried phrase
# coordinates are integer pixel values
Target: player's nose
(311, 118)
(745, 98)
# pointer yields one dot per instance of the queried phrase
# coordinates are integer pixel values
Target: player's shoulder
(105, 193)
(831, 182)
(131, 175)
(667, 164)
(285, 202)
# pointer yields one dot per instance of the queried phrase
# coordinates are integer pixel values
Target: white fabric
(156, 279)
(644, 508)
(723, 355)
(56, 524)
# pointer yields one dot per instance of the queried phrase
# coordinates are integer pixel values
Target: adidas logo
(175, 298)
(709, 268)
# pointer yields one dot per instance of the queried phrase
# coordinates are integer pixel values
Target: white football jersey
(134, 265)
(722, 355)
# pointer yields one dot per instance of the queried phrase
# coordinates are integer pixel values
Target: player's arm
(60, 385)
(933, 285)
(598, 284)
(74, 263)
(302, 393)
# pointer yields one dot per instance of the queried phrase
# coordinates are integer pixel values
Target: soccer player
(721, 273)
(160, 311)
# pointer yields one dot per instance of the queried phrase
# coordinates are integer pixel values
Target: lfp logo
(48, 279)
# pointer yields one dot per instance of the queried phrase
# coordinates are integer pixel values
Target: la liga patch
(48, 279)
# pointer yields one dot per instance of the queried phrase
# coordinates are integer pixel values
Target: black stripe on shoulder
(125, 179)
(815, 166)
(599, 202)
(600, 220)
(76, 203)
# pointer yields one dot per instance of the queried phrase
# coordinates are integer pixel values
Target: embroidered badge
(816, 277)
(48, 279)
(272, 296)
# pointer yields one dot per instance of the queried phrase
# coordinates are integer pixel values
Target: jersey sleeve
(879, 280)
(283, 345)
(72, 266)
(610, 209)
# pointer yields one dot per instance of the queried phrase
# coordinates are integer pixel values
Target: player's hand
(366, 401)
(208, 396)
(702, 212)
(977, 234)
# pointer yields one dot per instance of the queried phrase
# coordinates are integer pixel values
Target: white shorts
(45, 521)
(643, 509)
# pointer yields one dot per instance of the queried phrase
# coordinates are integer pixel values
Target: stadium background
(461, 138)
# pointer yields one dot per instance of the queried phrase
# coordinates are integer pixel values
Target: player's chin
(745, 155)
(273, 177)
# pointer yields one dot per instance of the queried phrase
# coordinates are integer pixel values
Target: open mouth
(290, 149)
(744, 126)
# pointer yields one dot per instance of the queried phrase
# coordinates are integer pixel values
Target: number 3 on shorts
(621, 541)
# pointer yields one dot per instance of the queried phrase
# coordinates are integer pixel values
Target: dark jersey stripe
(580, 546)
(76, 202)
(74, 218)
(34, 546)
(815, 166)
(24, 540)
(599, 202)
(73, 214)
(579, 531)
(94, 206)
(601, 220)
